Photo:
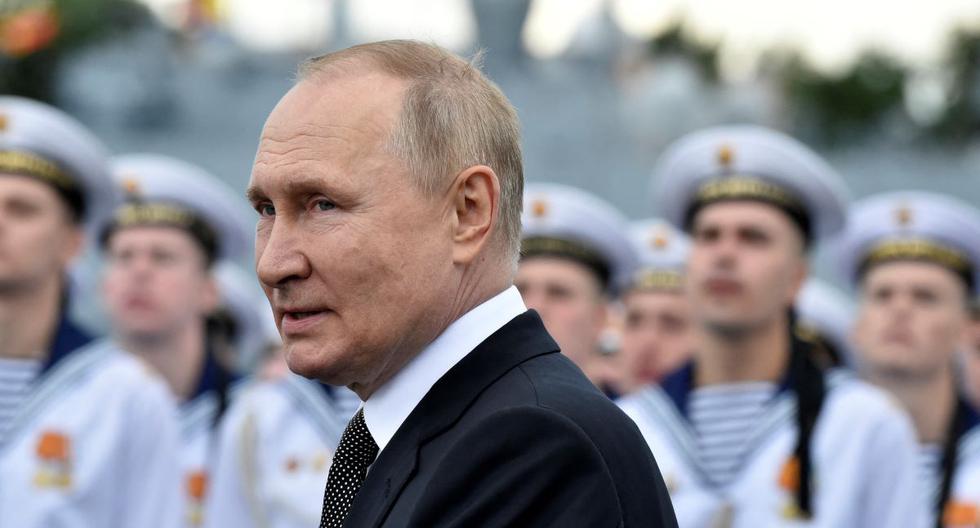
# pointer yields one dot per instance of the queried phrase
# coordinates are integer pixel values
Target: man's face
(37, 236)
(912, 317)
(156, 281)
(657, 334)
(356, 261)
(570, 301)
(746, 265)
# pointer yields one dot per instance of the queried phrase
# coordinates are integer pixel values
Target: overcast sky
(830, 33)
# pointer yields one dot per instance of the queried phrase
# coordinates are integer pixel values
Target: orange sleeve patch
(789, 475)
(197, 484)
(54, 446)
(960, 514)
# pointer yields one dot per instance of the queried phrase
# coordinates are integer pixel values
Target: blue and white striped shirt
(723, 418)
(16, 377)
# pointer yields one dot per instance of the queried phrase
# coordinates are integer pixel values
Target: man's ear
(210, 294)
(798, 279)
(73, 245)
(475, 196)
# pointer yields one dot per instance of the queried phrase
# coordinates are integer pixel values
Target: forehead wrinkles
(309, 141)
(284, 145)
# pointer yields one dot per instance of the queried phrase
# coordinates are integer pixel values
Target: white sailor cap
(247, 305)
(567, 222)
(745, 162)
(42, 142)
(826, 311)
(160, 190)
(663, 251)
(912, 225)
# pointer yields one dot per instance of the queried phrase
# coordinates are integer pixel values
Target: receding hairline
(373, 57)
(321, 69)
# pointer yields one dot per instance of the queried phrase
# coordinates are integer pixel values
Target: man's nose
(279, 257)
(901, 307)
(724, 252)
(142, 265)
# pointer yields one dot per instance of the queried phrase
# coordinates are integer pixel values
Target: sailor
(759, 429)
(915, 260)
(657, 335)
(161, 246)
(88, 434)
(576, 258)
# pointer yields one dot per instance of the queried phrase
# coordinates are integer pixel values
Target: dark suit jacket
(514, 435)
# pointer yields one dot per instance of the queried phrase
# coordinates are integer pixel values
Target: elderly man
(915, 257)
(388, 183)
(758, 430)
(88, 434)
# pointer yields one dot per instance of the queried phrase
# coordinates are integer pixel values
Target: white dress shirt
(390, 405)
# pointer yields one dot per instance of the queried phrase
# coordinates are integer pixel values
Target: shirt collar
(680, 383)
(390, 405)
(67, 338)
(213, 376)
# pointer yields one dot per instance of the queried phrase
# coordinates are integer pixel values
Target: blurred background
(888, 91)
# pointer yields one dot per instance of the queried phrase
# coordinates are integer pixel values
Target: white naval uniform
(275, 449)
(863, 465)
(93, 446)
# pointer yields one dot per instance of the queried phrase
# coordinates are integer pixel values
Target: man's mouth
(723, 286)
(298, 322)
(299, 316)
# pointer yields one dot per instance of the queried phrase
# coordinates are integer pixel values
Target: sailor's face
(569, 298)
(912, 317)
(746, 264)
(37, 236)
(657, 334)
(156, 281)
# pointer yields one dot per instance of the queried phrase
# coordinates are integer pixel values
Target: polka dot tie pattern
(357, 451)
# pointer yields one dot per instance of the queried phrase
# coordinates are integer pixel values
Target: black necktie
(355, 453)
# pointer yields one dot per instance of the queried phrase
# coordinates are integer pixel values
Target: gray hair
(452, 117)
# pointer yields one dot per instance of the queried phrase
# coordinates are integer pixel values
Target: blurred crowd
(768, 397)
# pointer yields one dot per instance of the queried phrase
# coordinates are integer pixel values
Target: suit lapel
(523, 338)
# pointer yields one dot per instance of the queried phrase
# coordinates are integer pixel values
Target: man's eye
(266, 209)
(324, 205)
(121, 257)
(881, 295)
(163, 257)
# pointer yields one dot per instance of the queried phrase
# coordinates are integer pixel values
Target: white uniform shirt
(864, 462)
(276, 443)
(95, 445)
